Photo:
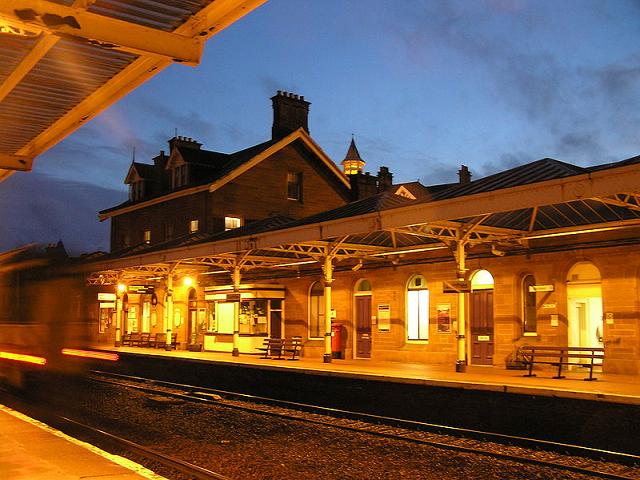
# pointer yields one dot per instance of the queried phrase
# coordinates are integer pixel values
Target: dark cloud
(189, 124)
(590, 114)
(54, 210)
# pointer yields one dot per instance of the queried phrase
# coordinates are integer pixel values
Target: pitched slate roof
(538, 171)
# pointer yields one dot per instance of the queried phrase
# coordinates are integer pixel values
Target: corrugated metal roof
(56, 75)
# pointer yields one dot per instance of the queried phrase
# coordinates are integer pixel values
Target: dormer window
(136, 190)
(179, 176)
(194, 226)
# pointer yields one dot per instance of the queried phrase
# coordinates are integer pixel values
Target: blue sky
(424, 86)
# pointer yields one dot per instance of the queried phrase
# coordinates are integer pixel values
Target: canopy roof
(503, 214)
(65, 61)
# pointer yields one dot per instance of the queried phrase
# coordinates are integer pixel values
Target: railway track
(97, 436)
(564, 457)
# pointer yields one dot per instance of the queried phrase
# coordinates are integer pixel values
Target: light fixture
(294, 263)
(357, 266)
(410, 250)
(187, 281)
(496, 251)
(122, 288)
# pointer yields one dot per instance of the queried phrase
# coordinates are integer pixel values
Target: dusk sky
(424, 86)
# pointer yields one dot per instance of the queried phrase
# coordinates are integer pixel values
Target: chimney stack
(290, 112)
(464, 175)
(385, 179)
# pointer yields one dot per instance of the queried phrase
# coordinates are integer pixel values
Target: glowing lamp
(187, 281)
(122, 288)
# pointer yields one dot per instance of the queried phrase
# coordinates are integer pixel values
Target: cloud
(36, 208)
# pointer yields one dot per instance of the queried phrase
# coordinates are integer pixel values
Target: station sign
(541, 288)
(233, 297)
(106, 297)
(141, 289)
(457, 286)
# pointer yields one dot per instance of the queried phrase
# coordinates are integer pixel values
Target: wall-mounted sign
(457, 286)
(384, 317)
(554, 320)
(541, 288)
(444, 317)
(608, 317)
(107, 297)
(549, 305)
(107, 305)
(484, 338)
(142, 289)
(233, 297)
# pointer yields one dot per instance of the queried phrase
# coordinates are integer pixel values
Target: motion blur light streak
(112, 357)
(19, 357)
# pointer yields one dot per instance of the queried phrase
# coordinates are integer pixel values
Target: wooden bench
(125, 340)
(585, 357)
(277, 348)
(160, 341)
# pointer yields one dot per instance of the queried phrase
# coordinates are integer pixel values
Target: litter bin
(336, 341)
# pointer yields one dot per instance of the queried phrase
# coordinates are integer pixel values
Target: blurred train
(47, 316)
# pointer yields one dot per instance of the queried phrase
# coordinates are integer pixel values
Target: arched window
(482, 280)
(529, 324)
(316, 311)
(417, 308)
(363, 287)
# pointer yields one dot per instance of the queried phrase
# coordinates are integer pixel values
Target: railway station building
(277, 241)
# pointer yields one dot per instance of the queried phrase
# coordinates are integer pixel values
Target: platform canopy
(526, 209)
(64, 61)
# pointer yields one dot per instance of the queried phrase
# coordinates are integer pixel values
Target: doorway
(363, 319)
(584, 306)
(481, 318)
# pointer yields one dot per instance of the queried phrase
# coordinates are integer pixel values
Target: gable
(402, 191)
(132, 175)
(299, 135)
(175, 159)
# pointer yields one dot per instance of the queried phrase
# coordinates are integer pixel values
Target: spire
(352, 163)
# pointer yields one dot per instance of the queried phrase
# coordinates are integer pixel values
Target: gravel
(251, 446)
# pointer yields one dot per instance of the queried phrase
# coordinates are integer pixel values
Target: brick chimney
(385, 179)
(464, 175)
(290, 112)
(187, 142)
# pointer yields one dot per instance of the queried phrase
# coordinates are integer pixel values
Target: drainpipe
(169, 306)
(461, 362)
(328, 280)
(235, 277)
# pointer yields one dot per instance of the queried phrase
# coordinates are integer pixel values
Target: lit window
(194, 226)
(417, 309)
(294, 186)
(147, 236)
(232, 222)
(529, 323)
(316, 311)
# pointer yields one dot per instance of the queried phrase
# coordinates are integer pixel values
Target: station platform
(611, 388)
(31, 450)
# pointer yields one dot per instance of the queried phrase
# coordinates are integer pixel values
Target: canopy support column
(328, 280)
(168, 305)
(461, 362)
(118, 341)
(236, 277)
